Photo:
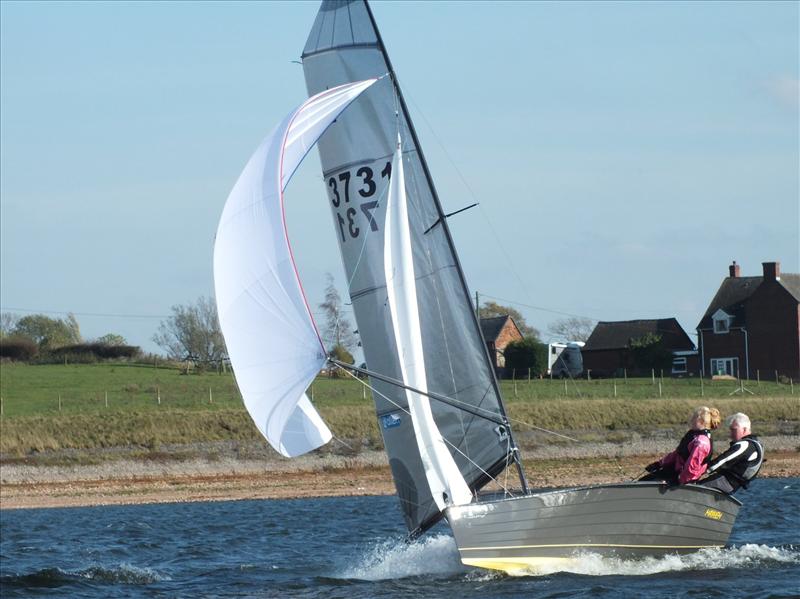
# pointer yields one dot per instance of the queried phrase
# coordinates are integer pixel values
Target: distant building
(752, 326)
(608, 349)
(498, 332)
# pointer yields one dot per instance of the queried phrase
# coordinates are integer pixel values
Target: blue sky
(622, 154)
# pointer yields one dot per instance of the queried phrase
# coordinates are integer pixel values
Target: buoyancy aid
(683, 446)
(740, 464)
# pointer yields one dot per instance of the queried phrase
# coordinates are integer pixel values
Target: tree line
(192, 333)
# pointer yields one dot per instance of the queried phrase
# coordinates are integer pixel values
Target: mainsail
(271, 338)
(356, 154)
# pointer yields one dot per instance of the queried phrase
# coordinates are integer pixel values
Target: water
(352, 548)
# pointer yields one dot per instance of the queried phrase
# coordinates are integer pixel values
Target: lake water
(352, 548)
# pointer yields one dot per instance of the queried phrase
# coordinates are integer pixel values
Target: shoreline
(168, 478)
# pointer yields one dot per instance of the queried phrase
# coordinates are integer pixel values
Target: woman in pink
(690, 459)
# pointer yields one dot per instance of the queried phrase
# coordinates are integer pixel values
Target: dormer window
(722, 321)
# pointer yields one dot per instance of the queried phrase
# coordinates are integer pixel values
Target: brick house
(752, 326)
(498, 332)
(608, 349)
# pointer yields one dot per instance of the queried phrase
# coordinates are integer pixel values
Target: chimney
(733, 269)
(772, 271)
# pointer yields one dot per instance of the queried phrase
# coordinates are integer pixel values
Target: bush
(526, 353)
(92, 352)
(649, 352)
(18, 348)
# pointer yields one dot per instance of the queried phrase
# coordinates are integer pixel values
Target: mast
(446, 228)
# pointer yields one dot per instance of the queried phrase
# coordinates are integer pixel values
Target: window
(679, 366)
(722, 322)
(723, 366)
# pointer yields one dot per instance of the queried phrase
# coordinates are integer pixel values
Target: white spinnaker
(272, 341)
(440, 469)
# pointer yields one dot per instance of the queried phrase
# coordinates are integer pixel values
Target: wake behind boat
(437, 399)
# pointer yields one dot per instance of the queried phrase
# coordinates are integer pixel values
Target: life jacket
(744, 467)
(683, 446)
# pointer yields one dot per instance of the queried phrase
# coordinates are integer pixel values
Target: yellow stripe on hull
(513, 565)
(582, 545)
(517, 565)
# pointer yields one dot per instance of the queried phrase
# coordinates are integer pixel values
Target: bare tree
(192, 332)
(337, 332)
(574, 328)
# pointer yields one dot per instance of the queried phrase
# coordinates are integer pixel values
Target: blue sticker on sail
(390, 421)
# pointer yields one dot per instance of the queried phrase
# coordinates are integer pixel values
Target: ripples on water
(352, 548)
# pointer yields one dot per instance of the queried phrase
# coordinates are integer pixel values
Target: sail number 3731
(361, 183)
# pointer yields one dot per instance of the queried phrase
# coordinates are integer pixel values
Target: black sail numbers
(354, 196)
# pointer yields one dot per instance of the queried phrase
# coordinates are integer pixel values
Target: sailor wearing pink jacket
(690, 459)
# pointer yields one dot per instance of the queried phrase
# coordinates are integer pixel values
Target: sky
(623, 154)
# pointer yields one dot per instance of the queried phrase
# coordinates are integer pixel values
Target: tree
(112, 339)
(575, 328)
(8, 322)
(526, 353)
(493, 309)
(192, 332)
(49, 333)
(337, 332)
(649, 352)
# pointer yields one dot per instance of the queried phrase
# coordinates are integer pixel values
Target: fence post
(791, 386)
(659, 388)
(106, 398)
(158, 394)
(363, 392)
(210, 397)
(565, 386)
(776, 376)
(758, 378)
(653, 374)
(615, 387)
(589, 374)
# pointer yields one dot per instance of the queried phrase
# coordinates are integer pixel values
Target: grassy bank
(107, 405)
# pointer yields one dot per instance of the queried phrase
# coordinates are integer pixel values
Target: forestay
(272, 341)
(356, 156)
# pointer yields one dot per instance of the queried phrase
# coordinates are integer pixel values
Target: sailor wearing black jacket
(738, 465)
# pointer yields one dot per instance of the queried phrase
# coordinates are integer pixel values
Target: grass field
(107, 405)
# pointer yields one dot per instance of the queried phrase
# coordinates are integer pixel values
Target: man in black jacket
(738, 465)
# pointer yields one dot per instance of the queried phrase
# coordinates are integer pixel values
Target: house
(608, 349)
(752, 326)
(498, 332)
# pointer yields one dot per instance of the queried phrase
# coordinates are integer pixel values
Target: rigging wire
(406, 411)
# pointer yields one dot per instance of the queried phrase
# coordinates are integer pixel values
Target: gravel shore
(225, 471)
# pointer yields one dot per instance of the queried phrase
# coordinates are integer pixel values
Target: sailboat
(437, 400)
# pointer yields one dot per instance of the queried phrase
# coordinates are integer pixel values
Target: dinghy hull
(625, 520)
